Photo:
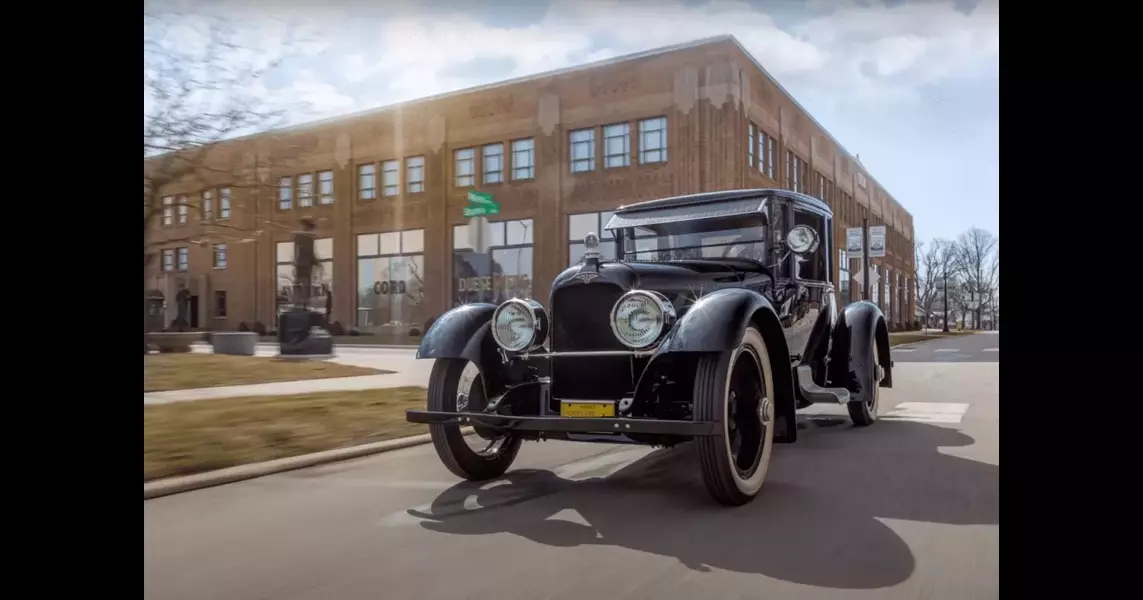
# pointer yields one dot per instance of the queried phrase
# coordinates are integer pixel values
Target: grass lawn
(202, 435)
(909, 337)
(186, 371)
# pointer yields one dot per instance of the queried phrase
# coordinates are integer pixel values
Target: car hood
(674, 279)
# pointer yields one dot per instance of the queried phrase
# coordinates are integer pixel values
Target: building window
(391, 177)
(582, 150)
(168, 260)
(322, 276)
(184, 259)
(220, 256)
(224, 203)
(843, 276)
(184, 208)
(886, 282)
(207, 205)
(653, 140)
(616, 145)
(285, 193)
(902, 316)
(415, 173)
(580, 225)
(523, 159)
(463, 160)
(325, 187)
(795, 172)
(874, 286)
(753, 133)
(306, 190)
(767, 151)
(821, 187)
(493, 263)
(492, 163)
(219, 304)
(367, 181)
(391, 280)
(168, 211)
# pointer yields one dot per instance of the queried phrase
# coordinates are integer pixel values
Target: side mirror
(802, 239)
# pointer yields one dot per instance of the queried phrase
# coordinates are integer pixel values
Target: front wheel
(449, 383)
(736, 389)
(864, 413)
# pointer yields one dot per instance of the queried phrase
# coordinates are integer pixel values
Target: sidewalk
(281, 388)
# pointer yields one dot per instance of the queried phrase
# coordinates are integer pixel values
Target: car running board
(817, 394)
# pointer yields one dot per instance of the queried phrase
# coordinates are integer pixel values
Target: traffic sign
(480, 204)
(861, 280)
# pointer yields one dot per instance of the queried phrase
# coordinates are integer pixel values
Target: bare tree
(199, 90)
(978, 264)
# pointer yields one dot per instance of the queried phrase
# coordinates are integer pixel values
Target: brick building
(388, 188)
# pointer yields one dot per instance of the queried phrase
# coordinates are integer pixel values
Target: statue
(182, 307)
(304, 262)
(300, 331)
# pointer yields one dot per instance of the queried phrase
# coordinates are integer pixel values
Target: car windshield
(737, 242)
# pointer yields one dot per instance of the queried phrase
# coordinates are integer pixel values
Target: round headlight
(640, 317)
(519, 325)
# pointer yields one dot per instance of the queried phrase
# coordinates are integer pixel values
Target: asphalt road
(905, 509)
(979, 347)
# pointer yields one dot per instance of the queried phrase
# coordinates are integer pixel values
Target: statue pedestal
(301, 336)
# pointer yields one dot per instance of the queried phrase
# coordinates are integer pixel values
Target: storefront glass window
(390, 279)
(493, 263)
(580, 225)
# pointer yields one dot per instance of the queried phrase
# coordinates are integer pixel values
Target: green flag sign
(480, 204)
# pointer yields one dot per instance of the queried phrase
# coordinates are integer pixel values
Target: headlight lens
(640, 317)
(519, 325)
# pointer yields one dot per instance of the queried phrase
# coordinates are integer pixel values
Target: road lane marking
(899, 350)
(946, 350)
(928, 412)
(992, 349)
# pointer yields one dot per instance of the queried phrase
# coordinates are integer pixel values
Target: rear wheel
(864, 413)
(736, 389)
(453, 384)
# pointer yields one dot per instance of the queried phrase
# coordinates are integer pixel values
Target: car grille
(581, 320)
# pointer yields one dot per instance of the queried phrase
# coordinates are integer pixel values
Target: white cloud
(877, 76)
(858, 53)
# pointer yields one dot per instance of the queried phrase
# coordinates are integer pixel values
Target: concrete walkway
(282, 388)
(407, 372)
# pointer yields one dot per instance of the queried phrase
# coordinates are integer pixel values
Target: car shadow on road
(818, 521)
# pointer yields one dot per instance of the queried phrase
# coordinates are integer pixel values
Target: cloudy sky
(910, 85)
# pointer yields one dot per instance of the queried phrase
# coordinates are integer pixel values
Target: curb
(198, 481)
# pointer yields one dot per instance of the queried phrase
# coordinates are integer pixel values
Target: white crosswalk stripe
(947, 350)
(928, 412)
(992, 349)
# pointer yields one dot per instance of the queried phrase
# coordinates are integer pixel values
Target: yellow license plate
(587, 410)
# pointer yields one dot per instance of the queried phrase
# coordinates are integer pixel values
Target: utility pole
(946, 286)
(866, 275)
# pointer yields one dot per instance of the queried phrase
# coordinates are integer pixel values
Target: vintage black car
(718, 321)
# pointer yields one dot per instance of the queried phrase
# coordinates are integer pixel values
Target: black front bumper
(566, 424)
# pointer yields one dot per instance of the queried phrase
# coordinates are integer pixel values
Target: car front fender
(860, 328)
(457, 333)
(715, 322)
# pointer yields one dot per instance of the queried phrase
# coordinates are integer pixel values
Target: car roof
(707, 198)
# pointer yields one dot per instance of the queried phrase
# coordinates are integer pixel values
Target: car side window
(812, 267)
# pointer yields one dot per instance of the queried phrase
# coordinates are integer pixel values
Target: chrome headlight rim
(539, 325)
(661, 302)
